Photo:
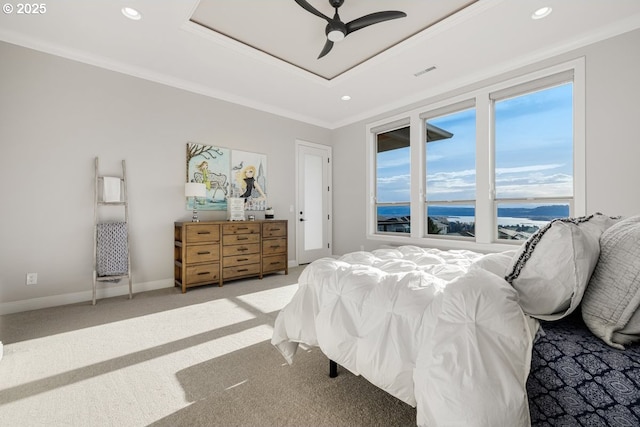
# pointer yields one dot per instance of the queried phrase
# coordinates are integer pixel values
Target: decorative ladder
(98, 202)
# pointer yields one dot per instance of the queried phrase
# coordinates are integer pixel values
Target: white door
(313, 214)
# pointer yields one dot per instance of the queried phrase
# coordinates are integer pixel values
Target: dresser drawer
(240, 270)
(276, 229)
(203, 273)
(236, 239)
(232, 261)
(274, 263)
(230, 250)
(203, 233)
(274, 246)
(243, 228)
(202, 253)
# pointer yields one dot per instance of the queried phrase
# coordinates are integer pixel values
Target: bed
(498, 335)
(578, 380)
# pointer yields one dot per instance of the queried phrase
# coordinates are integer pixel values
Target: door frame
(329, 200)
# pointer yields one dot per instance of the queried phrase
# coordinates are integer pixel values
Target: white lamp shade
(195, 189)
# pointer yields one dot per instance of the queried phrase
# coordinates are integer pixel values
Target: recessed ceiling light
(131, 13)
(543, 12)
(345, 97)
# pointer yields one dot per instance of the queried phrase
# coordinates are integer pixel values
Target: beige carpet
(168, 359)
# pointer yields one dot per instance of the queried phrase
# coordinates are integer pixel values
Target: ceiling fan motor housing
(336, 30)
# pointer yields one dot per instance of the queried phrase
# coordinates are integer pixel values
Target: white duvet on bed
(437, 329)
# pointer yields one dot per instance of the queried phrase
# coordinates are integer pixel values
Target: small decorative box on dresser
(216, 251)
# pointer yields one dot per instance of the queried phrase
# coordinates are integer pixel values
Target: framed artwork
(209, 165)
(249, 182)
(227, 173)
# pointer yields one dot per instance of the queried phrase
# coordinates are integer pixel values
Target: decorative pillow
(552, 269)
(612, 299)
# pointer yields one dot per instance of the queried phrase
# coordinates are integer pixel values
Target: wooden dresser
(211, 252)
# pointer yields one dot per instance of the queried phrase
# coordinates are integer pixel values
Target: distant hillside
(540, 213)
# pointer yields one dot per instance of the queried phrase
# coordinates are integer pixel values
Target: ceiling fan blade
(373, 18)
(326, 49)
(306, 6)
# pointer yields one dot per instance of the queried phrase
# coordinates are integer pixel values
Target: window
(486, 167)
(534, 159)
(450, 156)
(393, 181)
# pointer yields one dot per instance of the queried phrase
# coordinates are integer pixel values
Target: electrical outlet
(32, 278)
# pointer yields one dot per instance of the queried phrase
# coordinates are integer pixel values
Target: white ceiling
(483, 39)
(298, 36)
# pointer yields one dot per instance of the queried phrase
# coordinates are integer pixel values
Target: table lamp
(195, 190)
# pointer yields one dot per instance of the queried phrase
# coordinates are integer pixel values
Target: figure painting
(249, 179)
(209, 165)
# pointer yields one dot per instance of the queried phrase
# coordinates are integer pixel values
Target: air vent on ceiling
(425, 71)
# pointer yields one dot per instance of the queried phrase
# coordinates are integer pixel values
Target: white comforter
(441, 331)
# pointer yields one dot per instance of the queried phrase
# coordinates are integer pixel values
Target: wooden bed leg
(333, 369)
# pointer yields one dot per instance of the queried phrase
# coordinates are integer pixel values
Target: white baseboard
(103, 291)
(1, 350)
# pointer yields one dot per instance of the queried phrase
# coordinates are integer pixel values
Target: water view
(514, 223)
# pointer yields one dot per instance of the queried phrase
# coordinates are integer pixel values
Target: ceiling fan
(337, 30)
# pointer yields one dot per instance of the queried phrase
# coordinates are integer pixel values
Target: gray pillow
(552, 269)
(611, 301)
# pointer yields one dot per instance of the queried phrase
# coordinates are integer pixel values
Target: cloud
(390, 180)
(515, 182)
(394, 188)
(446, 176)
(532, 168)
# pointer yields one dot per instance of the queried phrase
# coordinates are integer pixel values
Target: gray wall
(57, 115)
(613, 145)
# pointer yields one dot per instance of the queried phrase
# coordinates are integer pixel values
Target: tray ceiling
(284, 30)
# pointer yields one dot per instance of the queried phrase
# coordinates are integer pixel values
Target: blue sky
(533, 152)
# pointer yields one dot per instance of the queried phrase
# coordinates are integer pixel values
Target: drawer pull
(275, 263)
(275, 246)
(204, 253)
(243, 259)
(204, 232)
(243, 270)
(202, 273)
(243, 228)
(242, 238)
(243, 249)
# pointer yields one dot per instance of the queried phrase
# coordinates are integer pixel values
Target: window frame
(486, 215)
(451, 108)
(395, 126)
(511, 92)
